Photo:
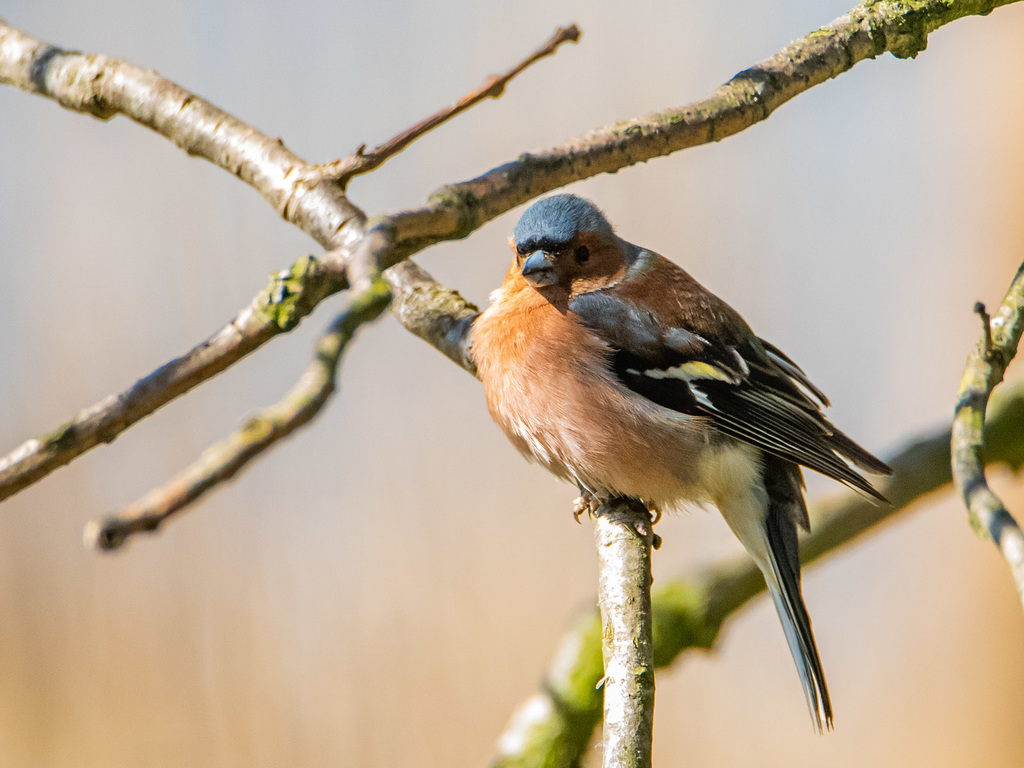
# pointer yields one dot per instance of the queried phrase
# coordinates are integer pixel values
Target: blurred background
(383, 589)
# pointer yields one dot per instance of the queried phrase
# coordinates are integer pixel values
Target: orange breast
(549, 387)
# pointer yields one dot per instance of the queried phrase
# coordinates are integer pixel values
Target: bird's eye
(582, 254)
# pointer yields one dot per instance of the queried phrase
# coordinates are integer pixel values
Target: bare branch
(222, 461)
(624, 536)
(984, 370)
(554, 726)
(425, 307)
(104, 87)
(361, 161)
(290, 296)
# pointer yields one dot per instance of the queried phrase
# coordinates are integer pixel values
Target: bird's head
(564, 243)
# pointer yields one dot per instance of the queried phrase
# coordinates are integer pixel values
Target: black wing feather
(749, 390)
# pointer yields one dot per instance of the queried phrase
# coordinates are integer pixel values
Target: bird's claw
(655, 517)
(585, 502)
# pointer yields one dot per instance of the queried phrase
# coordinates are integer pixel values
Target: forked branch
(984, 370)
(290, 296)
(105, 87)
(222, 461)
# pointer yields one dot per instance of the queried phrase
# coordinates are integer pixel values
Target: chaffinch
(614, 369)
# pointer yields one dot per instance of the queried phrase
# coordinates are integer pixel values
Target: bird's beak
(539, 269)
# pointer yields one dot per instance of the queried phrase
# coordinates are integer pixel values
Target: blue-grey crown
(555, 220)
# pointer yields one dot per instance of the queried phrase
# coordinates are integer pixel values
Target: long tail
(784, 484)
(764, 519)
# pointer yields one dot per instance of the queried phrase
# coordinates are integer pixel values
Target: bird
(613, 368)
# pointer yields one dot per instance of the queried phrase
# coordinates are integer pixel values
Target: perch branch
(624, 535)
(102, 86)
(554, 726)
(984, 370)
(221, 462)
(362, 161)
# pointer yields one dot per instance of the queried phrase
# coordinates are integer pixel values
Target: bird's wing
(695, 355)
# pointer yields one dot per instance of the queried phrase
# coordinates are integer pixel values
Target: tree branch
(438, 315)
(104, 87)
(624, 535)
(984, 370)
(289, 297)
(554, 726)
(222, 461)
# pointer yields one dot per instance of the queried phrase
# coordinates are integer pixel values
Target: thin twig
(986, 328)
(554, 726)
(984, 370)
(623, 532)
(362, 161)
(222, 461)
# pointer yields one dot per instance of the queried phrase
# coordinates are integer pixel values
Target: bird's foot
(591, 504)
(585, 502)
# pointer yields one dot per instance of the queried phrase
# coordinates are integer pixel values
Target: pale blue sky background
(383, 589)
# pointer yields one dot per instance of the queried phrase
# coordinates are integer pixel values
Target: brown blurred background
(386, 587)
